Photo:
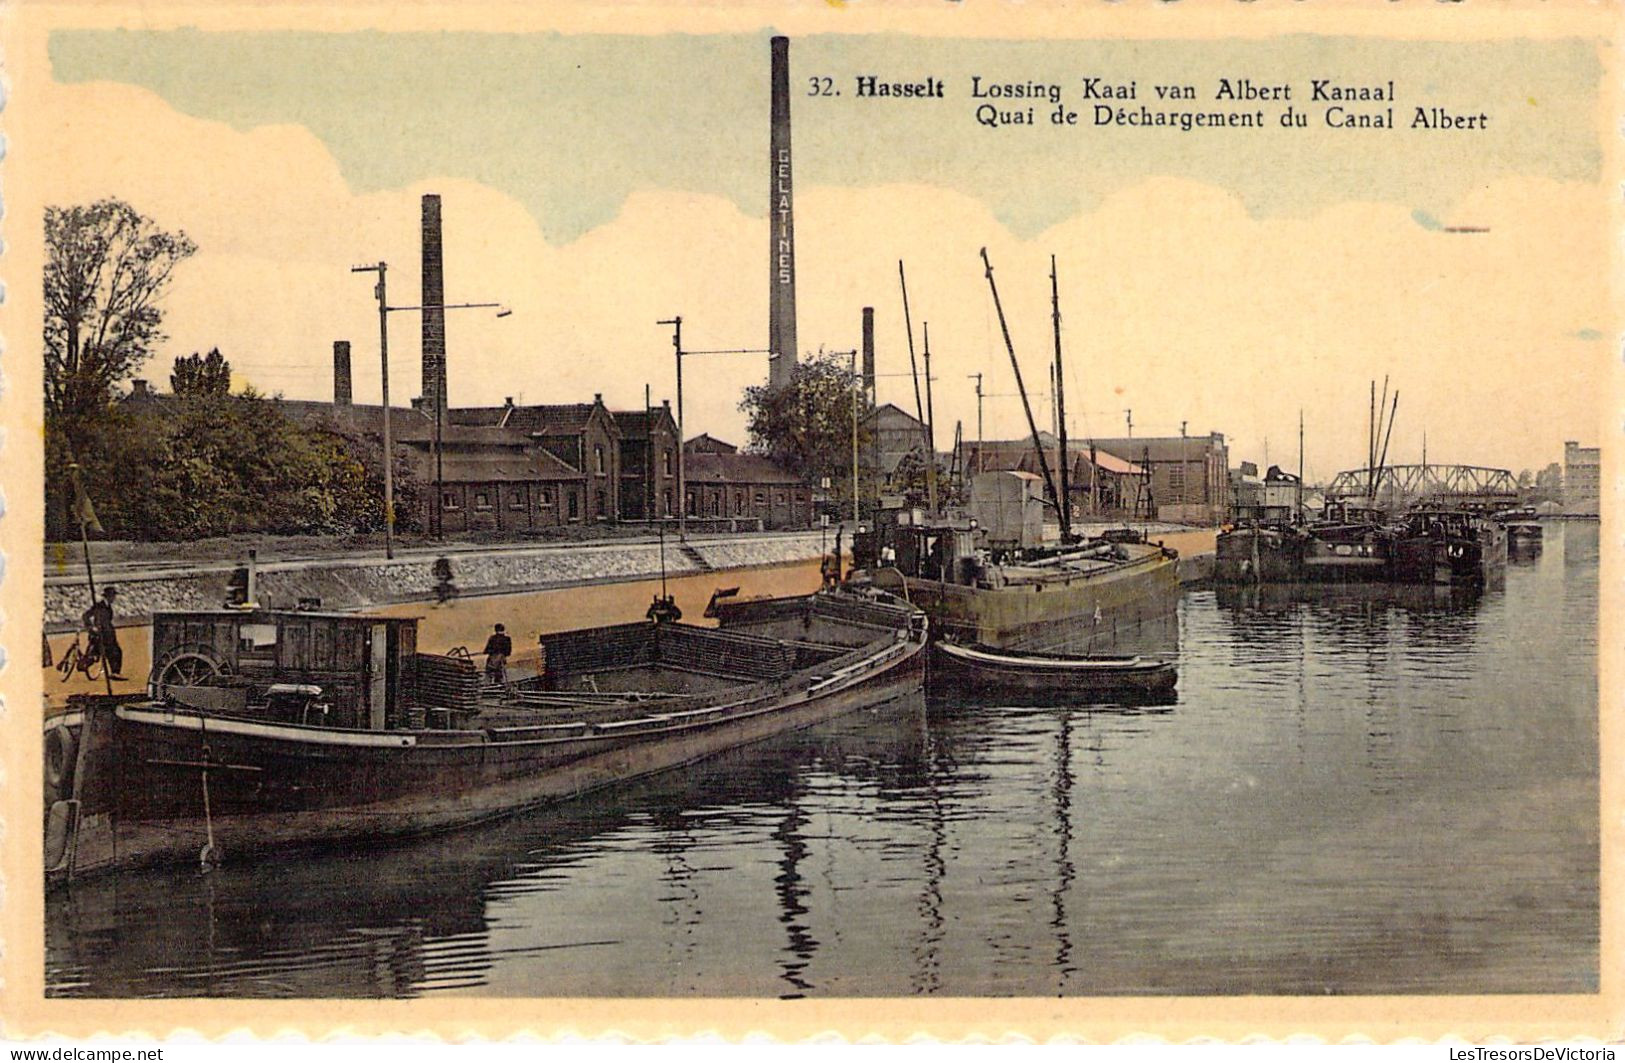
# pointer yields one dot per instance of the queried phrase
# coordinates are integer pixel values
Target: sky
(1225, 280)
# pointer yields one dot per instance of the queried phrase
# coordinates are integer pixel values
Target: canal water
(1353, 791)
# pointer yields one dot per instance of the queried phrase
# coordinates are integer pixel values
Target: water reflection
(1296, 818)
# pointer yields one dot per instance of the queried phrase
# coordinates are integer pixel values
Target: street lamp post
(384, 310)
(679, 354)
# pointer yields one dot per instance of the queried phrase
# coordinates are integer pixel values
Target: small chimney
(139, 390)
(507, 400)
(869, 352)
(434, 320)
(598, 399)
(341, 372)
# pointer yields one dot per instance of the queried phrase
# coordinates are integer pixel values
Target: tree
(106, 265)
(1549, 483)
(196, 375)
(805, 426)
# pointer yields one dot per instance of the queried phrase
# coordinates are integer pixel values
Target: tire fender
(61, 757)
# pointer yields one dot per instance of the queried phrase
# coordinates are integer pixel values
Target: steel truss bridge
(1405, 484)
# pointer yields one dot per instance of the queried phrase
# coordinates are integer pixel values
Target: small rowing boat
(985, 670)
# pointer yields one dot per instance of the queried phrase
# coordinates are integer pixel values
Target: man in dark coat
(497, 650)
(103, 635)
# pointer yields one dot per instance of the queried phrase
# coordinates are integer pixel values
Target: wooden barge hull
(1094, 613)
(151, 786)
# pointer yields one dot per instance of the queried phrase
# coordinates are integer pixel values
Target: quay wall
(360, 583)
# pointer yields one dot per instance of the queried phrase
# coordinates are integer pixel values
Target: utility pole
(382, 269)
(676, 324)
(384, 310)
(1130, 415)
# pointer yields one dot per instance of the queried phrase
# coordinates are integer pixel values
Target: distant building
(893, 436)
(1582, 479)
(1189, 479)
(648, 465)
(583, 435)
(491, 478)
(1100, 483)
(723, 484)
(1273, 498)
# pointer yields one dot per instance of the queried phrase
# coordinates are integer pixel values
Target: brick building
(723, 484)
(648, 463)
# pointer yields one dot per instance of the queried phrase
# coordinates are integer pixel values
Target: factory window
(667, 462)
(448, 500)
(761, 498)
(516, 498)
(1176, 477)
(546, 497)
(666, 503)
(575, 506)
(739, 503)
(688, 498)
(598, 460)
(599, 505)
(716, 505)
(779, 497)
(482, 500)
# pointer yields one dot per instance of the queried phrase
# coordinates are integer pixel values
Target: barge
(265, 731)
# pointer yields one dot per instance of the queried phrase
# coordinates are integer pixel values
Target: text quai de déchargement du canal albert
(1231, 103)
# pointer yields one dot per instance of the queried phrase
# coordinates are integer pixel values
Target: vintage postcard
(923, 519)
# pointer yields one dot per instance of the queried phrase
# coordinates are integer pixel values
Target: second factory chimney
(869, 354)
(781, 314)
(434, 316)
(341, 372)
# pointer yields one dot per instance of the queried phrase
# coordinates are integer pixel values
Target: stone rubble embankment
(351, 584)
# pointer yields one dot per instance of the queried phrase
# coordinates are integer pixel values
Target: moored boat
(985, 671)
(271, 730)
(1103, 595)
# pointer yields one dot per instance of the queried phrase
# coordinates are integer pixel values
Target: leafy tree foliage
(106, 265)
(205, 462)
(805, 426)
(201, 375)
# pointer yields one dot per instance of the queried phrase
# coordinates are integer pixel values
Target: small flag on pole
(83, 511)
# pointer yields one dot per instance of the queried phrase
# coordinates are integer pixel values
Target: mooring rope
(206, 858)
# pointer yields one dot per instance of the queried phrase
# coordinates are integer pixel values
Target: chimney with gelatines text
(781, 314)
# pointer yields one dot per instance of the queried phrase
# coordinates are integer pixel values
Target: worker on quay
(498, 648)
(98, 620)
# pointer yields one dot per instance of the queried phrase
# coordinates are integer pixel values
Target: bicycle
(83, 659)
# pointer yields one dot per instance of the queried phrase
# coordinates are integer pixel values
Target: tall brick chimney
(869, 353)
(341, 372)
(781, 319)
(434, 321)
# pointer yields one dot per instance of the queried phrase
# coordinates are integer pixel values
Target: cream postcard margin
(28, 187)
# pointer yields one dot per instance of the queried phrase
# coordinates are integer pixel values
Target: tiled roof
(700, 468)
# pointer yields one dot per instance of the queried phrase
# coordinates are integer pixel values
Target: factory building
(1582, 479)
